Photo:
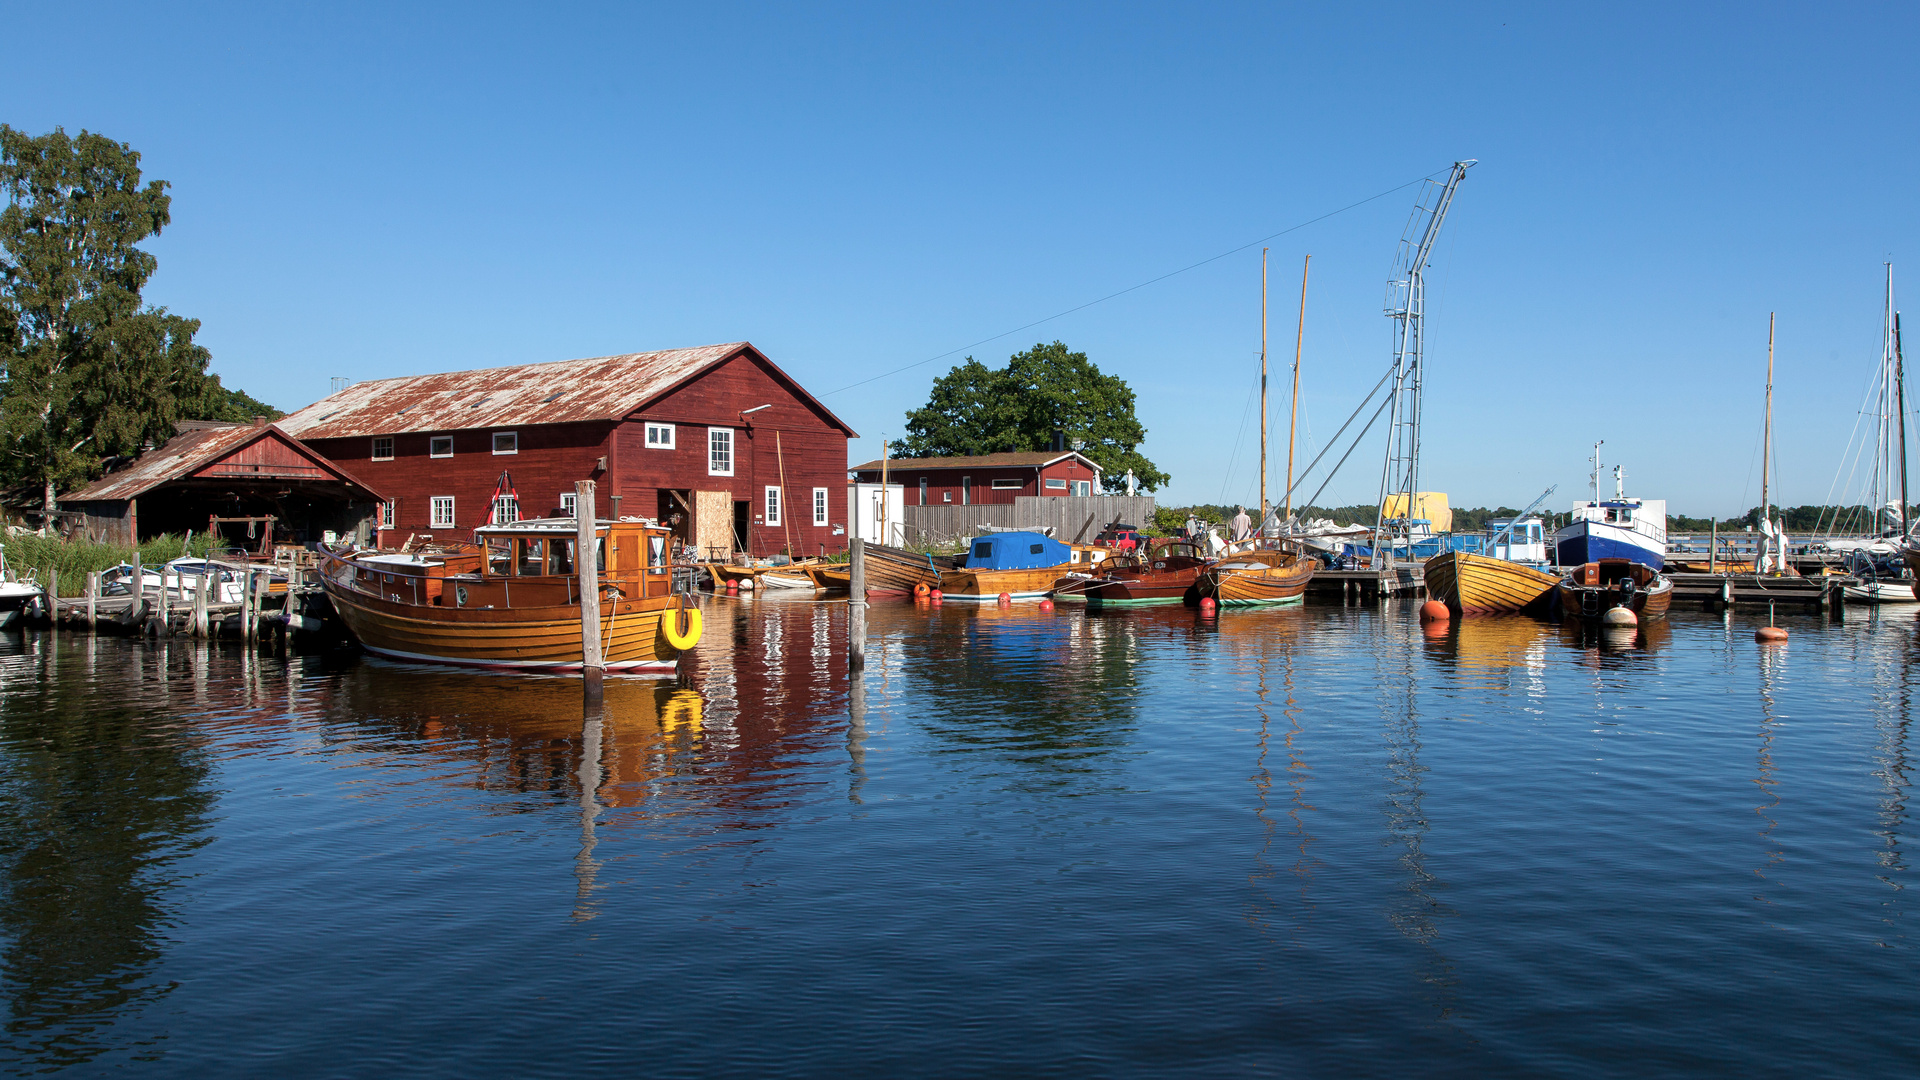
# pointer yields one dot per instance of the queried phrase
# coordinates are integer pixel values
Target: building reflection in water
(100, 794)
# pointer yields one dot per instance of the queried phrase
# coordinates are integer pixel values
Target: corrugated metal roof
(1028, 458)
(556, 392)
(185, 454)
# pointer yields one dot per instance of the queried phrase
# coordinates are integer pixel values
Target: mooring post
(93, 595)
(53, 596)
(1713, 548)
(856, 605)
(137, 606)
(166, 616)
(592, 665)
(200, 603)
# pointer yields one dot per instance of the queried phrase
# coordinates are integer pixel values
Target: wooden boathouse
(715, 441)
(252, 483)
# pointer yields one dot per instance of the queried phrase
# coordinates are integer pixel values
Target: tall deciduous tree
(89, 372)
(975, 409)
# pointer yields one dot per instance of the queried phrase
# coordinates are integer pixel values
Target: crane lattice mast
(1406, 305)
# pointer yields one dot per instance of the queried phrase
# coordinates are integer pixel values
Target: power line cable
(1135, 288)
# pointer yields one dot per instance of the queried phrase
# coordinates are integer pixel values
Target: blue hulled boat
(1616, 528)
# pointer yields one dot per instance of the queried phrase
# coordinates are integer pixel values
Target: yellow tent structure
(1429, 505)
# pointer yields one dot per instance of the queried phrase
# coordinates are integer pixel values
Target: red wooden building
(986, 479)
(717, 441)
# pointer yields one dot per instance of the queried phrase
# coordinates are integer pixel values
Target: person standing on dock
(1241, 526)
(1193, 526)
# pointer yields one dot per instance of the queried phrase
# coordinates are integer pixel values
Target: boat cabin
(1525, 542)
(524, 564)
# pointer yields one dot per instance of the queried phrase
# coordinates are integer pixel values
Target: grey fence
(1073, 518)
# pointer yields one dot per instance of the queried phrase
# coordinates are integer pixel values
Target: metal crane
(1406, 305)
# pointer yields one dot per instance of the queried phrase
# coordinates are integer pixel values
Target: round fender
(670, 628)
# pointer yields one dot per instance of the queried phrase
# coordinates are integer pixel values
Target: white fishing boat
(16, 597)
(1616, 528)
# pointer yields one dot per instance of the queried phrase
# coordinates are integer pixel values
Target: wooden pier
(1367, 586)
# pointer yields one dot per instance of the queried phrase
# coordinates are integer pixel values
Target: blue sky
(366, 191)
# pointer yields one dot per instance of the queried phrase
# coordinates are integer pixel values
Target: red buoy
(1434, 611)
(733, 586)
(1767, 635)
(1006, 598)
(1206, 604)
(1046, 605)
(934, 596)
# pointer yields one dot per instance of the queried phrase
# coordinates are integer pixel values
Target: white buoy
(1619, 616)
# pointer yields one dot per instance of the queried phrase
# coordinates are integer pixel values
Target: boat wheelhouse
(1616, 528)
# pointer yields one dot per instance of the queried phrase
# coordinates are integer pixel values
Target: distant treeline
(1804, 520)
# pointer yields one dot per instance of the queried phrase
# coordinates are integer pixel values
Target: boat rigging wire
(1331, 443)
(1357, 440)
(1142, 285)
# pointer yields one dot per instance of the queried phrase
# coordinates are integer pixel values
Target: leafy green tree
(236, 406)
(89, 372)
(974, 409)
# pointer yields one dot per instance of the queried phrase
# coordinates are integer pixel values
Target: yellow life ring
(669, 626)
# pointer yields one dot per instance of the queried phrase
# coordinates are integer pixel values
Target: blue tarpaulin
(1016, 551)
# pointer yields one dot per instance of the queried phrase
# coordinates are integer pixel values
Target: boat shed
(987, 479)
(253, 482)
(717, 442)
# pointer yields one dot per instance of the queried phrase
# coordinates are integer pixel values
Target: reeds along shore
(72, 560)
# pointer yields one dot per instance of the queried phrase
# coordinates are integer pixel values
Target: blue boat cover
(1016, 551)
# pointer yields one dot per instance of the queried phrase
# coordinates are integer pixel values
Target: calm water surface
(1316, 842)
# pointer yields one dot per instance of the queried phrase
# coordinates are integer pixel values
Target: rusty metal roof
(1032, 459)
(189, 452)
(556, 392)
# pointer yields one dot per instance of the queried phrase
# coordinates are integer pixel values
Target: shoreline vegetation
(39, 556)
(1804, 520)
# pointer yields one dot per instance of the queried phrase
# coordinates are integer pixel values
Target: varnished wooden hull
(1591, 602)
(1163, 588)
(1476, 585)
(534, 639)
(989, 584)
(1282, 582)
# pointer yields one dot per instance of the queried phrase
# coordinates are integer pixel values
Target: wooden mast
(1263, 388)
(1900, 402)
(1293, 418)
(1766, 447)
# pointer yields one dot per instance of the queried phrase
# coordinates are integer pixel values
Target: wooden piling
(162, 606)
(53, 596)
(200, 627)
(137, 608)
(1713, 548)
(856, 605)
(592, 665)
(93, 597)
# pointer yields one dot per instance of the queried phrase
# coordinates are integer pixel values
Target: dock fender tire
(681, 640)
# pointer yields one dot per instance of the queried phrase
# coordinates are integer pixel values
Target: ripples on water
(1316, 842)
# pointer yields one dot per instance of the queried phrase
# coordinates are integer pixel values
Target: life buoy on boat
(670, 627)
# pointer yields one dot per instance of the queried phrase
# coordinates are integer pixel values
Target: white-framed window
(719, 451)
(659, 436)
(946, 496)
(773, 506)
(923, 491)
(440, 446)
(383, 448)
(966, 491)
(386, 514)
(506, 509)
(443, 511)
(819, 506)
(1056, 485)
(506, 442)
(1083, 487)
(567, 504)
(1008, 485)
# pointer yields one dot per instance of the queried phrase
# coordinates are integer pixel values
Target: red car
(1119, 537)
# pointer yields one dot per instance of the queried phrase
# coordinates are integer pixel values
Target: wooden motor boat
(1477, 585)
(1023, 565)
(1591, 589)
(1259, 577)
(512, 600)
(1167, 570)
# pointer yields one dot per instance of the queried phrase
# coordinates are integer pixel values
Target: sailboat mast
(1293, 418)
(1766, 437)
(1900, 402)
(1263, 388)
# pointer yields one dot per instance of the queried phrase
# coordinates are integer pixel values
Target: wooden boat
(1259, 577)
(512, 600)
(1591, 589)
(724, 574)
(1164, 574)
(1023, 565)
(1477, 585)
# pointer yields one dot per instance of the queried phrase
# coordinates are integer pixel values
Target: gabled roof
(606, 388)
(1032, 459)
(200, 448)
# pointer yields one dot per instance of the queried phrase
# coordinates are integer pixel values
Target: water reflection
(1772, 662)
(98, 800)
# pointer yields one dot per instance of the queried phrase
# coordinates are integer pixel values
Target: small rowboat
(1259, 577)
(1477, 585)
(1590, 590)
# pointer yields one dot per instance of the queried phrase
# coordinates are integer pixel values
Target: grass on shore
(40, 556)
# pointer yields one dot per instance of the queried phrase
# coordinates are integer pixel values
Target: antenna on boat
(1594, 477)
(1619, 482)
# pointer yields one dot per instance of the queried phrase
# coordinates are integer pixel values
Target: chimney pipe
(259, 421)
